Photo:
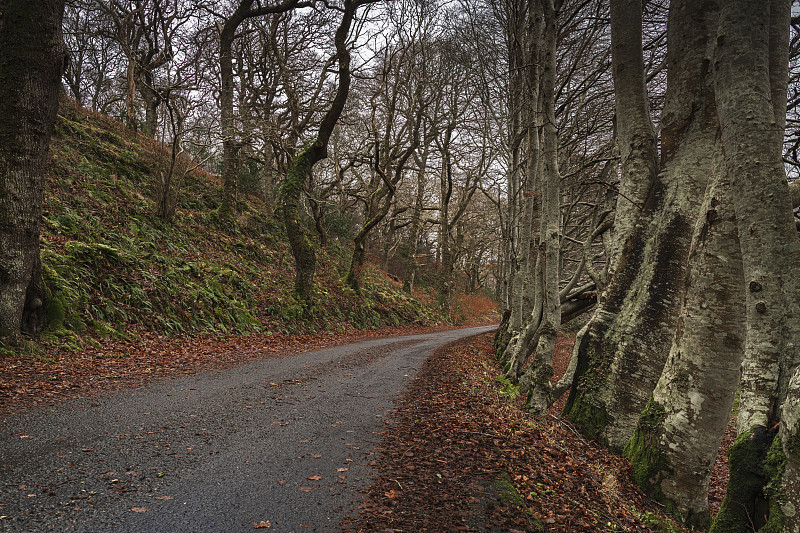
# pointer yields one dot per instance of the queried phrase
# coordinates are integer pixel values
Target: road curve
(287, 442)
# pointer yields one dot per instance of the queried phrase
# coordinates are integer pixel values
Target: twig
(569, 426)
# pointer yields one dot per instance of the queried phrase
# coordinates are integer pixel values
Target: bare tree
(302, 165)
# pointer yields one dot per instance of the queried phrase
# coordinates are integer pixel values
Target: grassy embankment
(115, 270)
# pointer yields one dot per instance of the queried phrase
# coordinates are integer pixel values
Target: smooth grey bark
(751, 114)
(635, 135)
(416, 221)
(770, 249)
(695, 394)
(532, 185)
(526, 312)
(32, 59)
(629, 336)
(536, 380)
(515, 35)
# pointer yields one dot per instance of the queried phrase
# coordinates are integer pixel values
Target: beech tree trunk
(536, 380)
(750, 72)
(623, 352)
(416, 223)
(678, 436)
(526, 306)
(32, 59)
(515, 35)
(635, 136)
(752, 132)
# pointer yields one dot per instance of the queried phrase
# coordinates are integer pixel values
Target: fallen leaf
(164, 498)
(343, 469)
(314, 478)
(139, 509)
(391, 494)
(261, 525)
(315, 456)
(306, 489)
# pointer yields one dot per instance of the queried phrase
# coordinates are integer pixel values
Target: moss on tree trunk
(745, 508)
(303, 251)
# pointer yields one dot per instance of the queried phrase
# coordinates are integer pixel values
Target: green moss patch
(648, 461)
(745, 507)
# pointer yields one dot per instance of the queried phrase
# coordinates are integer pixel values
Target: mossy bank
(113, 269)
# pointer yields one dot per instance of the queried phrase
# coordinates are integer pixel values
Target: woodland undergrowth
(114, 270)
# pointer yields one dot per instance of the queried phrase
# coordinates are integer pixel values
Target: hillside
(114, 270)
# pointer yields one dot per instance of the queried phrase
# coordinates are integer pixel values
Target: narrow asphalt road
(285, 441)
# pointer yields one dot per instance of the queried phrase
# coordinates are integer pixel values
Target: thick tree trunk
(32, 59)
(515, 34)
(770, 250)
(416, 226)
(292, 195)
(526, 287)
(353, 278)
(676, 442)
(294, 185)
(629, 336)
(151, 100)
(746, 78)
(529, 232)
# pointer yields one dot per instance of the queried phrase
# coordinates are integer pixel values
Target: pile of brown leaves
(460, 456)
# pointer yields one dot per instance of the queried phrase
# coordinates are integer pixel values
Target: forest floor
(462, 455)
